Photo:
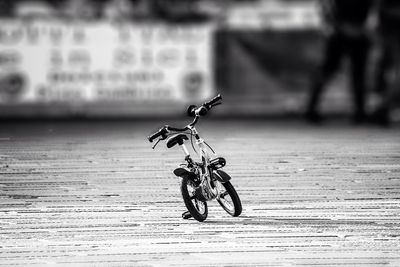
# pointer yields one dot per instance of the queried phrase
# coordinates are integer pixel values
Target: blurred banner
(274, 14)
(82, 63)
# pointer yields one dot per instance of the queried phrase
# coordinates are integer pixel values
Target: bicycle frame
(205, 173)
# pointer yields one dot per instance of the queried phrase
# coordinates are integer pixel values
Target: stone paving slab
(95, 194)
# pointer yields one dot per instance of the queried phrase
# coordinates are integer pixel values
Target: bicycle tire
(191, 202)
(237, 204)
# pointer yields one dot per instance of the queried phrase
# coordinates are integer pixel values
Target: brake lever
(158, 141)
(163, 137)
(216, 104)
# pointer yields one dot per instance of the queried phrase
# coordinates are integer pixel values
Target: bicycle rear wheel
(198, 209)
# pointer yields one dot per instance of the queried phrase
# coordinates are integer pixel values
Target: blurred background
(147, 58)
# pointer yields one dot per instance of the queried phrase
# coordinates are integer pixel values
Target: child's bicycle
(201, 181)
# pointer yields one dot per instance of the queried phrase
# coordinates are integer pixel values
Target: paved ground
(95, 194)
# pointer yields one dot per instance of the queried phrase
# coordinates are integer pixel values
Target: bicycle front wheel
(229, 199)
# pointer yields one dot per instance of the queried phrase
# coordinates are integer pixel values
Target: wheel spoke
(228, 205)
(197, 205)
(224, 194)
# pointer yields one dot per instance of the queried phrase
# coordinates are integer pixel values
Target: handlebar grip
(213, 101)
(160, 132)
(191, 110)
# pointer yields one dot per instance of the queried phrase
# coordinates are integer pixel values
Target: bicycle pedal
(186, 215)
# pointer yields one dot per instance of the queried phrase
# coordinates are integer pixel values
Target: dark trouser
(388, 68)
(338, 47)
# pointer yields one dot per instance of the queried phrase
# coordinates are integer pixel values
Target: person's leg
(331, 62)
(380, 83)
(358, 54)
(380, 115)
(386, 78)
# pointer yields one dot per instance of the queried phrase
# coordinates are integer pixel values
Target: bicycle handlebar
(195, 112)
(203, 109)
(213, 102)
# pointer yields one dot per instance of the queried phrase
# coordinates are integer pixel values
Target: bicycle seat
(176, 139)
